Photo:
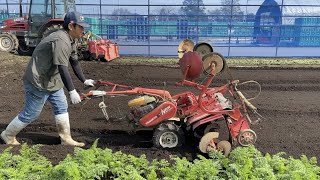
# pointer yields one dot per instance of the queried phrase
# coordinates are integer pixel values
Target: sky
(139, 5)
(174, 4)
(111, 5)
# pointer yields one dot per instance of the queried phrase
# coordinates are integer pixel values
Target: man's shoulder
(61, 35)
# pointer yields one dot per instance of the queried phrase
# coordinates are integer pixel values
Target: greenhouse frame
(234, 28)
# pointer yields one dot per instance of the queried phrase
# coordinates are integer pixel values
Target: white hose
(255, 82)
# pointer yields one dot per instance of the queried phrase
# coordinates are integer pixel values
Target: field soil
(289, 102)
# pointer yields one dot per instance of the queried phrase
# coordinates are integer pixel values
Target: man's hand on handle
(75, 97)
(89, 82)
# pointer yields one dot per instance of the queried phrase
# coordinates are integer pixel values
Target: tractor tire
(16, 44)
(23, 49)
(168, 135)
(86, 55)
(8, 42)
(102, 59)
(203, 129)
(50, 29)
(93, 56)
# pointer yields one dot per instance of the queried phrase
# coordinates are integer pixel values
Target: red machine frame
(197, 110)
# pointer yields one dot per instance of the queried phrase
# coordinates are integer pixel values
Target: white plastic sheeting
(291, 9)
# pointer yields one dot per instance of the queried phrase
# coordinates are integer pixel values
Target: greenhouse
(282, 28)
(297, 24)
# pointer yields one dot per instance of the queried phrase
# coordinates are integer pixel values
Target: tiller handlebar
(118, 89)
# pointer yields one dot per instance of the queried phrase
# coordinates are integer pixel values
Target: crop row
(96, 163)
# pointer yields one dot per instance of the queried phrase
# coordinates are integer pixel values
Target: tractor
(24, 33)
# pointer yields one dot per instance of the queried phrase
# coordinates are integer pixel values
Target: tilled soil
(289, 103)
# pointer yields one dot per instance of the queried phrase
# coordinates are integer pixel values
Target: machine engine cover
(140, 101)
(163, 112)
(140, 111)
(191, 63)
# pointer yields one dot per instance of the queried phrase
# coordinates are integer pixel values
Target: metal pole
(247, 10)
(246, 20)
(197, 30)
(7, 8)
(20, 8)
(100, 19)
(280, 22)
(148, 30)
(230, 27)
(53, 9)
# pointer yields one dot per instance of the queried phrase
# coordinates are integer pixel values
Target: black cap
(75, 17)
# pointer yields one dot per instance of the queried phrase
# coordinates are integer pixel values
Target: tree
(250, 17)
(193, 8)
(119, 14)
(3, 11)
(229, 6)
(235, 9)
(165, 13)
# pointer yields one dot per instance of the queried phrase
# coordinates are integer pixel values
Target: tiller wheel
(224, 147)
(168, 135)
(203, 48)
(247, 137)
(208, 143)
(216, 59)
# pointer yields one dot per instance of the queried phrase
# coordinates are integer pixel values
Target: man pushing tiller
(46, 75)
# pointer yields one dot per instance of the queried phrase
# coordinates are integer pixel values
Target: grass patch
(239, 61)
(273, 61)
(172, 61)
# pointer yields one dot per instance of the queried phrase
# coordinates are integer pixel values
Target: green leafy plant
(96, 163)
(26, 165)
(84, 164)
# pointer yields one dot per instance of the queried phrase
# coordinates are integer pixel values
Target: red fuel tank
(191, 62)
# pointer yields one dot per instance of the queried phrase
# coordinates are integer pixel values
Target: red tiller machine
(96, 48)
(172, 117)
(104, 49)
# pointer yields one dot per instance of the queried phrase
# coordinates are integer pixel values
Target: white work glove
(89, 82)
(74, 96)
